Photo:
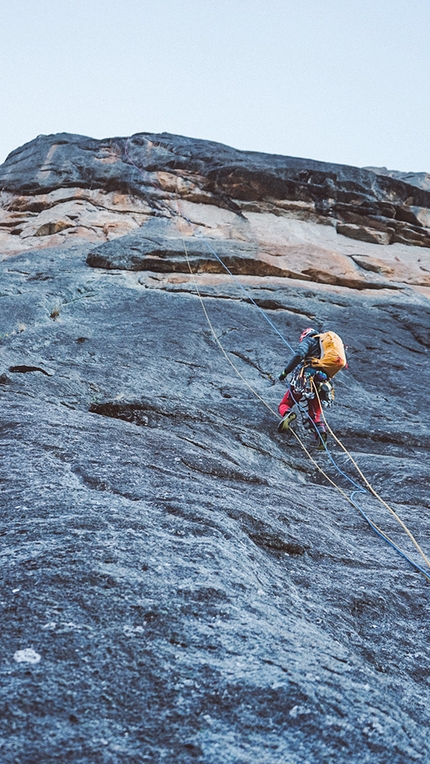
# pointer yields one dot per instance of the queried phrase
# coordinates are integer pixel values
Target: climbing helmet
(307, 331)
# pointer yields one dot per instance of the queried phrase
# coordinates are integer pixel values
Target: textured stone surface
(62, 187)
(194, 588)
(264, 246)
(179, 582)
(419, 179)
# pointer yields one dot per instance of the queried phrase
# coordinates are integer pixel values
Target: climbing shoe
(322, 440)
(285, 422)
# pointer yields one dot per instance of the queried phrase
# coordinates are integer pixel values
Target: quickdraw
(306, 380)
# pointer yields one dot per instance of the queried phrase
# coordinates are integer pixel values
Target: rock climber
(302, 385)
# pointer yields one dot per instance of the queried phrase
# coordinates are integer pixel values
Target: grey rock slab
(149, 249)
(420, 179)
(64, 159)
(194, 587)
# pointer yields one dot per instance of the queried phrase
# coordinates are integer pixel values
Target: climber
(309, 382)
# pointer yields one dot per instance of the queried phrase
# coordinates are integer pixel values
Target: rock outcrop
(180, 582)
(102, 189)
(419, 179)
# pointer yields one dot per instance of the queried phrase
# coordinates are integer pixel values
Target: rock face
(69, 186)
(180, 582)
(419, 179)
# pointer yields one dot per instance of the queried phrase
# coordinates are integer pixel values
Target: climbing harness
(306, 382)
(327, 393)
(301, 382)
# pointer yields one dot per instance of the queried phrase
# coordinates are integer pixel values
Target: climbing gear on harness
(306, 381)
(301, 381)
(282, 376)
(333, 357)
(326, 393)
(285, 422)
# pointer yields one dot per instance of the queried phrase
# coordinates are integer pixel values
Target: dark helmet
(307, 331)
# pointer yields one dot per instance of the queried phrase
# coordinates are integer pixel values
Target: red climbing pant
(314, 408)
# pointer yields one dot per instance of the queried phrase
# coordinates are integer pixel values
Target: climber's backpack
(333, 357)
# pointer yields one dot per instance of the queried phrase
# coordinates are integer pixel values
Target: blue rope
(248, 294)
(358, 488)
(383, 536)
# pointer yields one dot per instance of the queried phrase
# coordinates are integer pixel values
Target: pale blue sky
(337, 80)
